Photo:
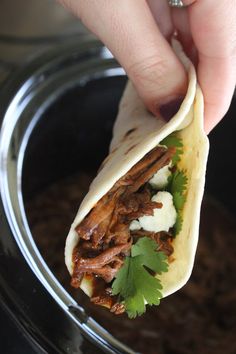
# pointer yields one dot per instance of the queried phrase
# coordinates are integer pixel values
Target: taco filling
(126, 239)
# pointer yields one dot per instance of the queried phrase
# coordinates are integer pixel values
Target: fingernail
(170, 108)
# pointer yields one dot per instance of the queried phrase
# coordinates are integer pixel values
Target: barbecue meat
(104, 236)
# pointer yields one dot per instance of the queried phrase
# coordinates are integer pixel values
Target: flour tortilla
(127, 149)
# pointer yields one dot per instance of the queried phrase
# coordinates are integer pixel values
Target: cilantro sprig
(134, 283)
(177, 186)
(177, 183)
(173, 140)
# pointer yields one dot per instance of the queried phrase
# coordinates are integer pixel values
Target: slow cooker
(38, 148)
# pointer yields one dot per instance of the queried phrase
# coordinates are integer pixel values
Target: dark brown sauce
(102, 295)
(102, 291)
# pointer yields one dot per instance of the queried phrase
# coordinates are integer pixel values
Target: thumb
(129, 30)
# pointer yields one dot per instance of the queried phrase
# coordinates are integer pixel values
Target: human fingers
(213, 28)
(181, 24)
(161, 12)
(129, 30)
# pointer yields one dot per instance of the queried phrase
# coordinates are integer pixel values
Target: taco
(134, 238)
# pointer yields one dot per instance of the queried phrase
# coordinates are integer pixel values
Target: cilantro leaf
(177, 182)
(153, 260)
(178, 224)
(173, 140)
(121, 284)
(147, 290)
(135, 306)
(134, 283)
(177, 185)
(178, 200)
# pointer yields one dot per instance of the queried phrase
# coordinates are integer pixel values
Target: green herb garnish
(134, 283)
(173, 140)
(178, 224)
(177, 185)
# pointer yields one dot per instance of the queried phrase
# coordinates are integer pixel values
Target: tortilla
(136, 132)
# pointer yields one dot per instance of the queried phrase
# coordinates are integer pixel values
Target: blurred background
(28, 27)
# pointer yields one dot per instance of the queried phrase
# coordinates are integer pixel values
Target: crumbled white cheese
(134, 225)
(160, 179)
(162, 219)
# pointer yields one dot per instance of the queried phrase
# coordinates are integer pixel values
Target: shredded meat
(153, 168)
(117, 308)
(106, 299)
(162, 238)
(105, 238)
(138, 204)
(104, 258)
(97, 222)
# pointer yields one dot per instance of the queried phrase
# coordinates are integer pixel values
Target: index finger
(129, 30)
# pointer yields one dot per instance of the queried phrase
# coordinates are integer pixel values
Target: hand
(137, 33)
(211, 25)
